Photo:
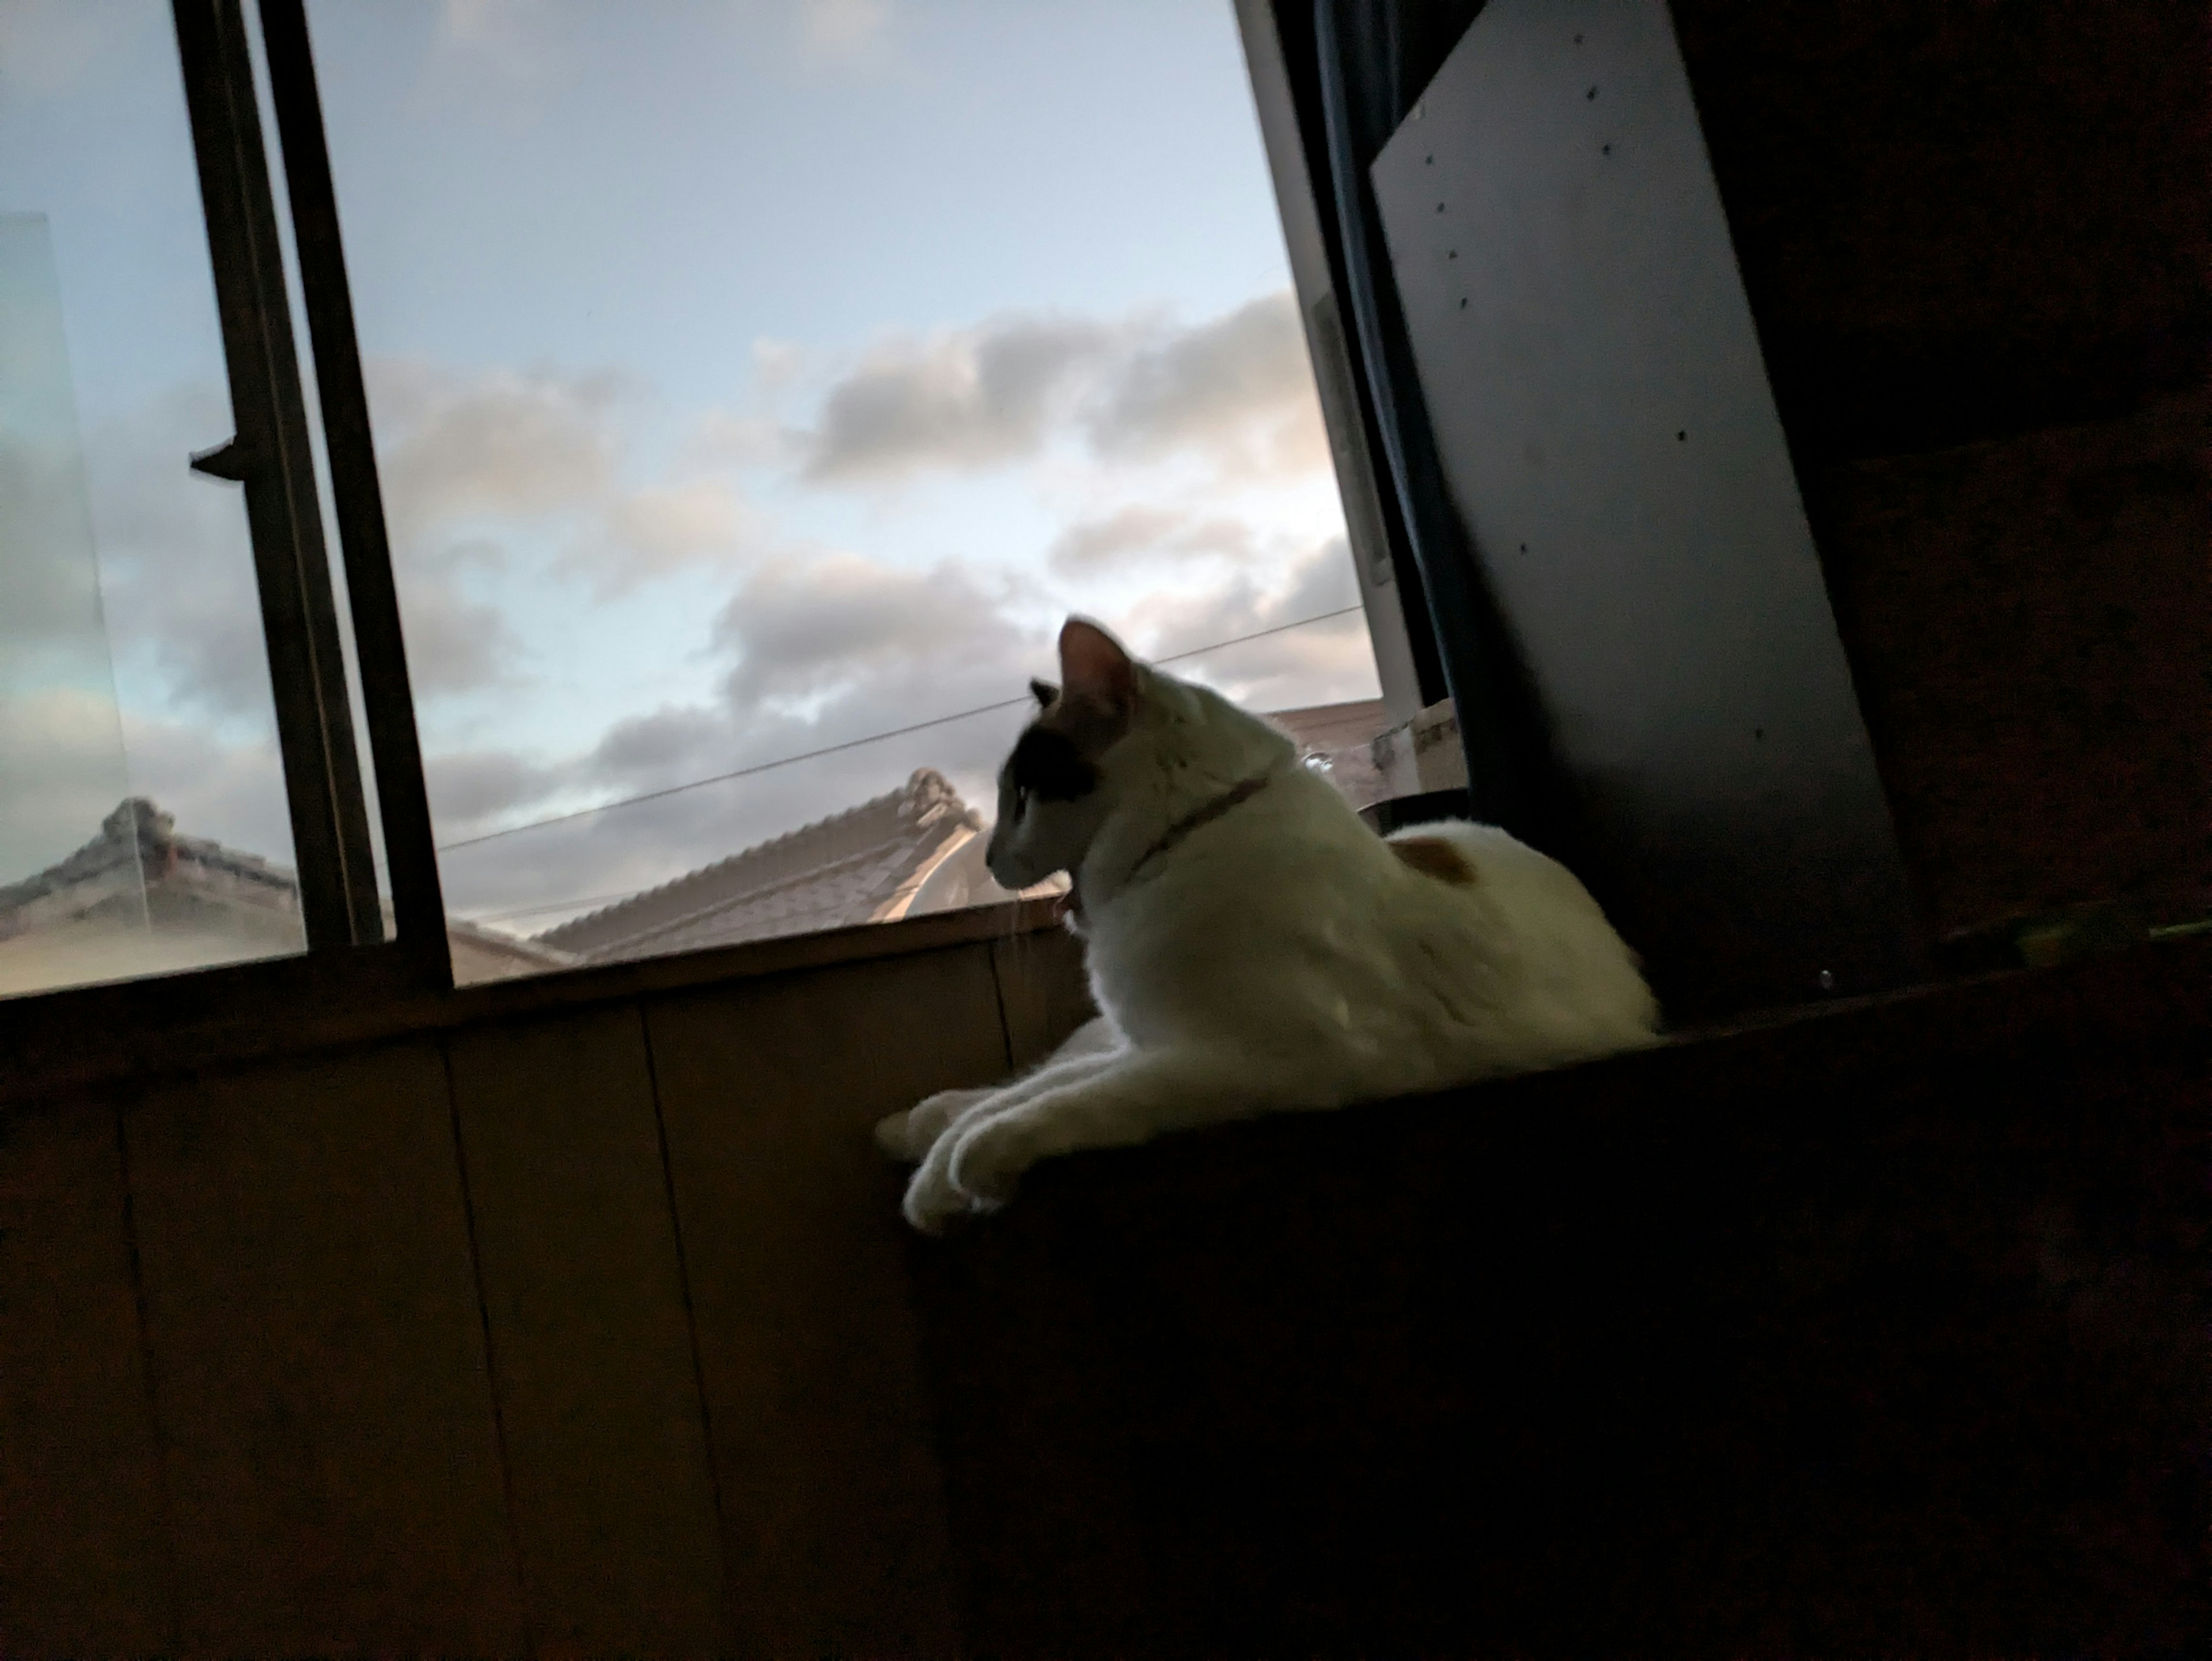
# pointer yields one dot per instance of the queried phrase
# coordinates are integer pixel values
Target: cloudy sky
(750, 376)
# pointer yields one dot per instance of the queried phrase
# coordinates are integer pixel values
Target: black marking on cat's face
(1046, 764)
(1044, 692)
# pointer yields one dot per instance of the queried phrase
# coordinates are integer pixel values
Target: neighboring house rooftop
(139, 899)
(1342, 736)
(914, 850)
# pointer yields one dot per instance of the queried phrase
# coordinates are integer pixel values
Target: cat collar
(1175, 833)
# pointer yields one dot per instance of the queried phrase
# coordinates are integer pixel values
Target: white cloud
(663, 527)
(1235, 393)
(843, 29)
(804, 628)
(723, 440)
(652, 751)
(1239, 389)
(959, 399)
(510, 44)
(777, 365)
(478, 470)
(1324, 663)
(50, 47)
(499, 445)
(470, 789)
(1132, 535)
(456, 643)
(505, 46)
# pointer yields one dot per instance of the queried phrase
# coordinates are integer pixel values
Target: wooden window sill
(94, 1035)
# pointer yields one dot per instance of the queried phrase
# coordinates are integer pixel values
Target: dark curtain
(1373, 58)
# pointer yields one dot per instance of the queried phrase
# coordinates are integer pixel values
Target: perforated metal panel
(1594, 382)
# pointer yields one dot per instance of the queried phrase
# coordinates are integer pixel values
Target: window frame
(352, 983)
(270, 456)
(387, 697)
(349, 962)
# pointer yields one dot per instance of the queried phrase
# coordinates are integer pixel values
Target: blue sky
(749, 376)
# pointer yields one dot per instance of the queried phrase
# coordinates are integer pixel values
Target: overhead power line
(855, 743)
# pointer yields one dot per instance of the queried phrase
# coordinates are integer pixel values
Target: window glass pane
(142, 819)
(753, 379)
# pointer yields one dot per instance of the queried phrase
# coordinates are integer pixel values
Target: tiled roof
(913, 849)
(139, 843)
(867, 864)
(139, 867)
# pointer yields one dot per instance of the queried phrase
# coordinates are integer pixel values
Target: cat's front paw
(931, 1201)
(988, 1160)
(909, 1135)
(891, 1136)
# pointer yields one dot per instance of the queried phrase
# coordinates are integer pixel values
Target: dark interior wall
(2030, 623)
(1978, 242)
(1959, 219)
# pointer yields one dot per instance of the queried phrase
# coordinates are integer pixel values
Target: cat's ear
(1044, 692)
(1095, 668)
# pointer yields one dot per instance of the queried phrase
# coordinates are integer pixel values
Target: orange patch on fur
(1434, 856)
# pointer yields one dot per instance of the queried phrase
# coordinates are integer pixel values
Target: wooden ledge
(62, 1042)
(82, 1036)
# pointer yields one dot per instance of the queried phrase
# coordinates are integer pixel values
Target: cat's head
(1115, 742)
(1053, 792)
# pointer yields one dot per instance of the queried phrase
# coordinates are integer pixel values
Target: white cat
(1254, 945)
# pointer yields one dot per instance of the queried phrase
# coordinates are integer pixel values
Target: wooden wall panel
(81, 1560)
(319, 1364)
(613, 1493)
(832, 1497)
(1042, 991)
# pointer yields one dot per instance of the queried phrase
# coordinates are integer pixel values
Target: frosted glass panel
(62, 765)
(143, 827)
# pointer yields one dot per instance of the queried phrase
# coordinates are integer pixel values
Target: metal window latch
(229, 460)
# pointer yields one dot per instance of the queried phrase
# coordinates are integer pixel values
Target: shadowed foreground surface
(1879, 1332)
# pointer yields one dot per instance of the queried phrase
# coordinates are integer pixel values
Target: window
(753, 388)
(756, 388)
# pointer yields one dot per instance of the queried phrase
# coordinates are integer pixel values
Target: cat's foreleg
(908, 1135)
(1136, 1096)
